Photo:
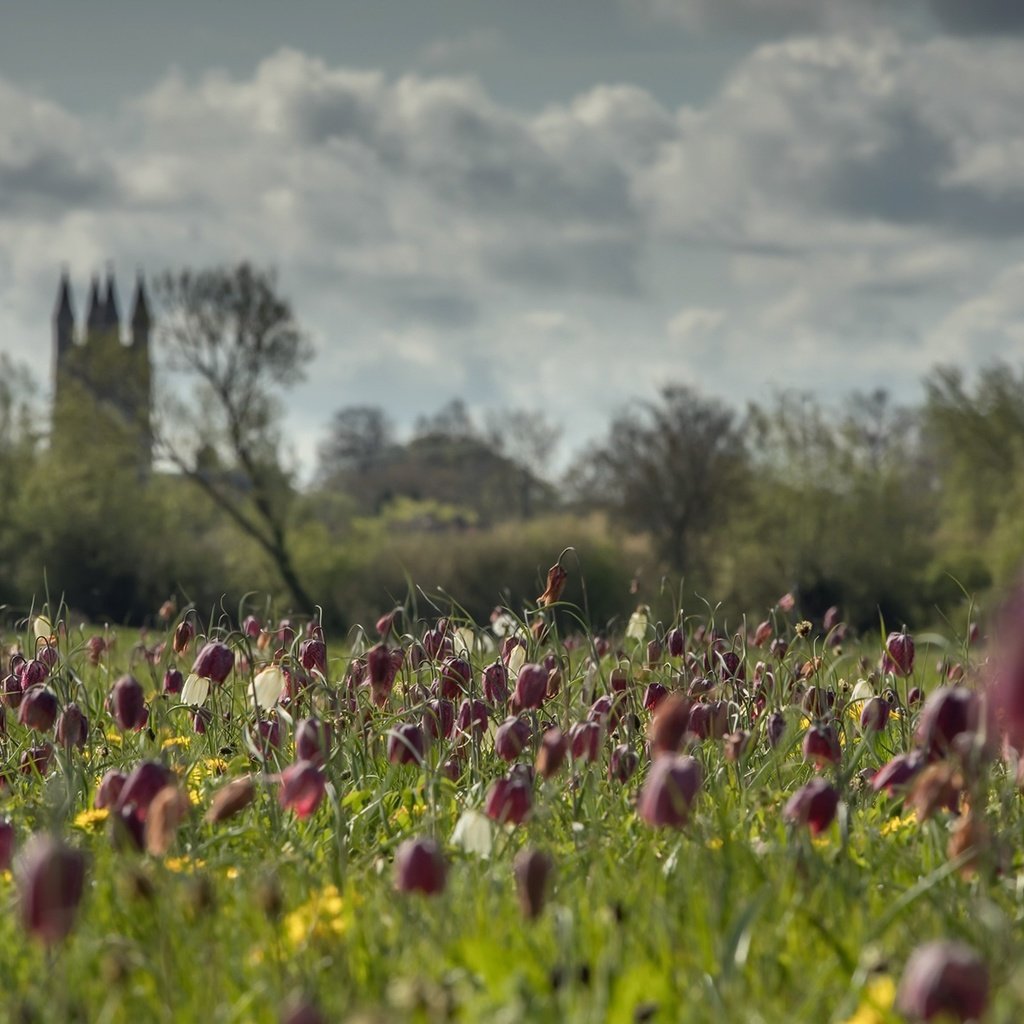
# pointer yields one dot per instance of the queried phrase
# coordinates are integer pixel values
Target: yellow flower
(403, 817)
(714, 843)
(322, 918)
(879, 995)
(176, 741)
(184, 864)
(908, 821)
(91, 820)
(114, 737)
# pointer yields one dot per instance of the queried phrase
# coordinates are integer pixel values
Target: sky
(559, 205)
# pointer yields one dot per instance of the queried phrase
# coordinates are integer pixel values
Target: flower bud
(736, 744)
(676, 642)
(407, 744)
(312, 742)
(585, 741)
(381, 674)
(622, 764)
(532, 869)
(36, 759)
(775, 728)
(944, 980)
(531, 687)
(495, 684)
(898, 773)
(72, 727)
(386, 623)
(669, 724)
(670, 790)
(551, 753)
(899, 654)
(439, 718)
(252, 627)
(38, 708)
(948, 713)
(472, 718)
(302, 788)
(821, 745)
(169, 808)
(762, 634)
(51, 880)
(127, 704)
(313, 655)
(511, 738)
(214, 662)
(556, 580)
(509, 800)
(146, 779)
(109, 789)
(654, 694)
(420, 867)
(183, 636)
(231, 799)
(813, 805)
(32, 673)
(173, 681)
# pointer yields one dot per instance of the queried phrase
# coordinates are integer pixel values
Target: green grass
(737, 917)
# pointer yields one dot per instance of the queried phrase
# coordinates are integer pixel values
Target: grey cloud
(49, 182)
(979, 17)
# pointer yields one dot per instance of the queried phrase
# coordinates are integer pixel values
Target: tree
(529, 439)
(230, 332)
(360, 438)
(673, 467)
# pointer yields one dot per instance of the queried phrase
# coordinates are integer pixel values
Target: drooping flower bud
(472, 718)
(531, 687)
(670, 790)
(654, 694)
(813, 805)
(821, 745)
(669, 724)
(109, 789)
(775, 728)
(127, 703)
(899, 654)
(214, 662)
(676, 642)
(420, 867)
(252, 627)
(944, 980)
(509, 800)
(72, 727)
(585, 741)
(302, 788)
(51, 880)
(736, 744)
(874, 716)
(146, 779)
(32, 673)
(622, 764)
(532, 869)
(495, 684)
(173, 681)
(551, 753)
(36, 760)
(168, 809)
(511, 738)
(897, 774)
(38, 708)
(762, 634)
(380, 671)
(231, 799)
(948, 713)
(407, 744)
(312, 742)
(313, 655)
(183, 636)
(556, 580)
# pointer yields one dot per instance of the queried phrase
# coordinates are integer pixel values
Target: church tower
(103, 384)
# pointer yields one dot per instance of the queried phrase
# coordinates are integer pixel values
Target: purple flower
(420, 867)
(670, 790)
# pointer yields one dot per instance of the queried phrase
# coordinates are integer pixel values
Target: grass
(739, 916)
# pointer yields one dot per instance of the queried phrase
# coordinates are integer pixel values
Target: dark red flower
(406, 744)
(127, 703)
(532, 869)
(670, 790)
(551, 753)
(302, 788)
(531, 687)
(38, 708)
(214, 662)
(509, 800)
(420, 867)
(51, 881)
(511, 738)
(899, 654)
(813, 805)
(72, 727)
(944, 981)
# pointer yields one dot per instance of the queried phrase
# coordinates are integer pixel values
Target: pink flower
(302, 788)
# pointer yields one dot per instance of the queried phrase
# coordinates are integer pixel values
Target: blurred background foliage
(881, 509)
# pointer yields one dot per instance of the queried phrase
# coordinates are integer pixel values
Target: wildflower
(551, 753)
(669, 724)
(813, 805)
(821, 745)
(472, 717)
(509, 800)
(51, 880)
(948, 713)
(183, 636)
(92, 820)
(214, 662)
(146, 780)
(876, 1002)
(420, 867)
(511, 738)
(109, 789)
(38, 708)
(622, 764)
(266, 687)
(898, 773)
(944, 981)
(6, 844)
(495, 683)
(439, 718)
(407, 744)
(532, 868)
(168, 809)
(762, 634)
(72, 727)
(636, 628)
(555, 584)
(127, 704)
(899, 653)
(313, 655)
(302, 788)
(531, 687)
(231, 799)
(312, 741)
(874, 715)
(670, 790)
(173, 681)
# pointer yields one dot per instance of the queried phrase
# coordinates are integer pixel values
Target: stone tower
(102, 382)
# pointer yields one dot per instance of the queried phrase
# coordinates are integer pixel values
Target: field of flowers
(435, 820)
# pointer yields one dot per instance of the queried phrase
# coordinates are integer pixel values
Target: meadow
(430, 819)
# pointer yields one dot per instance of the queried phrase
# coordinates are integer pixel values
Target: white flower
(516, 660)
(267, 686)
(474, 834)
(637, 627)
(42, 628)
(195, 690)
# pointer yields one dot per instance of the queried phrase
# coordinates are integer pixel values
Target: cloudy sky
(556, 204)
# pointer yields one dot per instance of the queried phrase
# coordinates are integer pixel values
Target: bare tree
(230, 332)
(529, 439)
(360, 438)
(672, 467)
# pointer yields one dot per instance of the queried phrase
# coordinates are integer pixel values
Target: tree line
(879, 508)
